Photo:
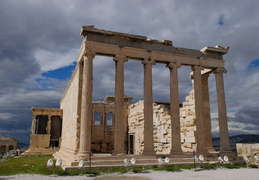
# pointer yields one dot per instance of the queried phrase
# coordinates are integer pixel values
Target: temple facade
(145, 129)
(7, 144)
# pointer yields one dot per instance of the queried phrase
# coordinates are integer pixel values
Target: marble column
(174, 109)
(33, 126)
(148, 108)
(49, 124)
(86, 106)
(222, 110)
(200, 134)
(119, 128)
(206, 112)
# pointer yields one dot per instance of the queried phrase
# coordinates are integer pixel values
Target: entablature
(47, 112)
(109, 43)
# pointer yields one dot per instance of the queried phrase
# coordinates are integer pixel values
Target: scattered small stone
(198, 169)
(90, 175)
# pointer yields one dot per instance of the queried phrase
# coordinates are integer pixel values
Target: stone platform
(109, 161)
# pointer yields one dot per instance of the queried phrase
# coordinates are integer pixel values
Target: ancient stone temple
(115, 129)
(7, 144)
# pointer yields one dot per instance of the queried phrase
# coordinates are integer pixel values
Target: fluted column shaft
(148, 108)
(119, 129)
(200, 135)
(206, 112)
(86, 106)
(174, 109)
(222, 110)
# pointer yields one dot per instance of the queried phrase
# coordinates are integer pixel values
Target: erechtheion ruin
(115, 129)
(7, 144)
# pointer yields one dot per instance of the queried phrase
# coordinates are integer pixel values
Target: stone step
(140, 161)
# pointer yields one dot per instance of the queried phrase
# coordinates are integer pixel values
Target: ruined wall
(103, 125)
(69, 104)
(7, 144)
(102, 132)
(162, 126)
(247, 149)
(136, 125)
(188, 126)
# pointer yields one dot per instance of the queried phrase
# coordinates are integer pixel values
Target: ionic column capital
(173, 65)
(220, 70)
(148, 61)
(205, 75)
(197, 67)
(88, 55)
(122, 58)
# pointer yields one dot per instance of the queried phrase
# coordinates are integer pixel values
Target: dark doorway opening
(42, 121)
(131, 144)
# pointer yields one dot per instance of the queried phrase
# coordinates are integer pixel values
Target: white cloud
(44, 35)
(51, 60)
(6, 116)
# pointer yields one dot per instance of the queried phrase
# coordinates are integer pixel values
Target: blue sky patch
(61, 73)
(232, 110)
(221, 20)
(45, 83)
(253, 64)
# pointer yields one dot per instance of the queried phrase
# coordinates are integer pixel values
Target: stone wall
(7, 144)
(70, 106)
(103, 132)
(247, 149)
(188, 127)
(162, 126)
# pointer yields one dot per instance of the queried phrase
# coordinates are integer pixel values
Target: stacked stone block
(162, 126)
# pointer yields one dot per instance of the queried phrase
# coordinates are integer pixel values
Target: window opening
(97, 118)
(109, 117)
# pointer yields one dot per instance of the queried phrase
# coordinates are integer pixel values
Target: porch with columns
(122, 47)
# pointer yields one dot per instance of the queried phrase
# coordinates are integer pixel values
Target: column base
(211, 150)
(202, 151)
(149, 152)
(176, 152)
(226, 152)
(84, 154)
(118, 153)
(231, 155)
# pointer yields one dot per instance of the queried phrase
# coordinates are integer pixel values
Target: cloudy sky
(40, 39)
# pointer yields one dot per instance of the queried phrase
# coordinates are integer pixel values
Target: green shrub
(234, 166)
(252, 166)
(137, 170)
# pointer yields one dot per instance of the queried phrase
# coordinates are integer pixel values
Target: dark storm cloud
(38, 36)
(248, 115)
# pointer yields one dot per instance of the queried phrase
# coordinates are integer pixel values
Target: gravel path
(218, 174)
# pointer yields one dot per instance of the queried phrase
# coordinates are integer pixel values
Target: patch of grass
(171, 168)
(114, 170)
(37, 165)
(25, 165)
(137, 170)
(234, 166)
(253, 166)
(208, 166)
(34, 165)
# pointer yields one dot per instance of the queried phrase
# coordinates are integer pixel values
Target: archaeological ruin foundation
(7, 144)
(115, 129)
